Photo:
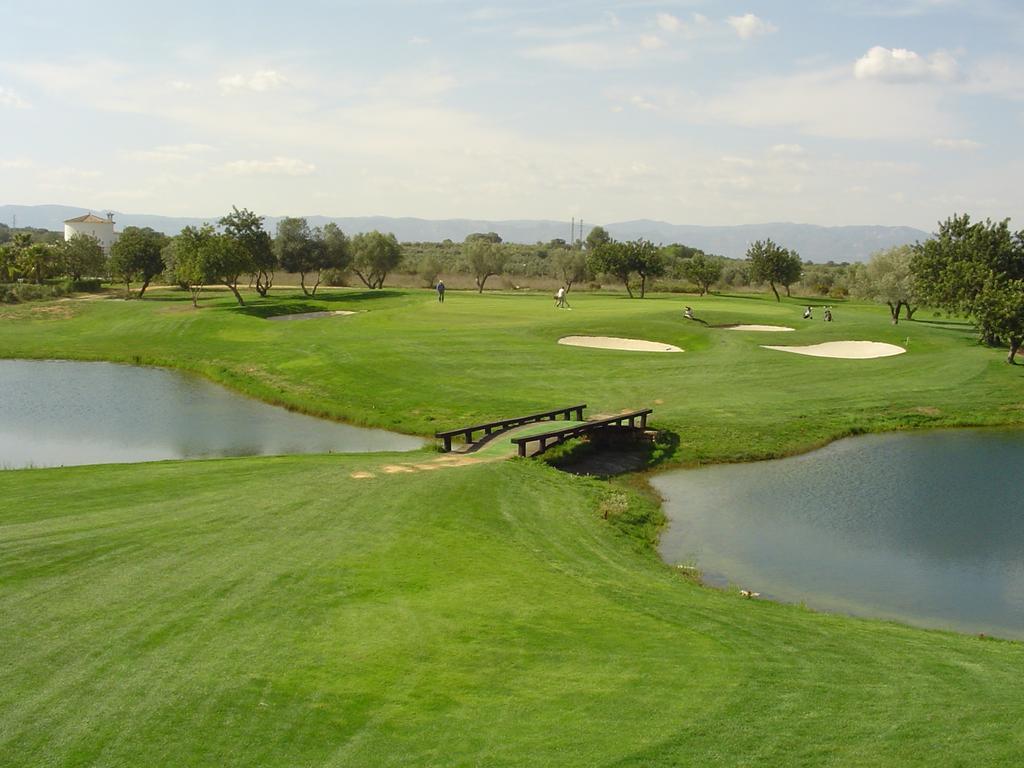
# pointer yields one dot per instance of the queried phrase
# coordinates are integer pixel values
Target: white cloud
(260, 81)
(278, 166)
(642, 103)
(171, 153)
(787, 149)
(899, 8)
(16, 163)
(651, 42)
(11, 99)
(71, 172)
(668, 22)
(832, 104)
(418, 84)
(902, 65)
(607, 23)
(998, 76)
(743, 162)
(957, 144)
(749, 25)
(418, 40)
(180, 85)
(698, 25)
(739, 183)
(77, 75)
(582, 55)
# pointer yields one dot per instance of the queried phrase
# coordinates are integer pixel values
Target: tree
(225, 260)
(623, 260)
(429, 270)
(83, 255)
(484, 259)
(887, 278)
(189, 253)
(333, 251)
(571, 267)
(246, 229)
(1000, 310)
(772, 264)
(39, 261)
(976, 269)
(136, 255)
(8, 262)
(373, 256)
(612, 259)
(702, 270)
(12, 255)
(792, 270)
(296, 248)
(488, 237)
(647, 261)
(597, 237)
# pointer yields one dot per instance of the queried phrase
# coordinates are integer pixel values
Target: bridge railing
(554, 437)
(490, 427)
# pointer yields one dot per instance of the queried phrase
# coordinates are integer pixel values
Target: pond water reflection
(55, 412)
(926, 528)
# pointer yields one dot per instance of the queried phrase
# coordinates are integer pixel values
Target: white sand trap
(764, 328)
(310, 315)
(611, 342)
(847, 350)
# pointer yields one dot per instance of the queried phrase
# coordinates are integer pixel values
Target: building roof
(89, 218)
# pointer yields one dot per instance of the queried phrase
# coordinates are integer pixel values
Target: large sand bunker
(764, 328)
(310, 315)
(847, 350)
(611, 342)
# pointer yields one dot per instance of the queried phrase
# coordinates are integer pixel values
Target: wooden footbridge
(632, 421)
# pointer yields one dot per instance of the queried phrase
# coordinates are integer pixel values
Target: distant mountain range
(812, 242)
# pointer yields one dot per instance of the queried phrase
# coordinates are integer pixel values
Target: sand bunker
(847, 350)
(611, 342)
(765, 328)
(310, 315)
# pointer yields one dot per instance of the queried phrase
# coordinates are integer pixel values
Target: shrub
(429, 270)
(336, 278)
(13, 293)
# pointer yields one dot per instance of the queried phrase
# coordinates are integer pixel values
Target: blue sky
(829, 112)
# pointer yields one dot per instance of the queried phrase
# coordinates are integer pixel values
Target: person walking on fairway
(440, 291)
(560, 297)
(807, 313)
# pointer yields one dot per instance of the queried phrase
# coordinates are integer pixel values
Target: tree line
(975, 269)
(236, 248)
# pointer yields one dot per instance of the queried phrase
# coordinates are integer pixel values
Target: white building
(101, 229)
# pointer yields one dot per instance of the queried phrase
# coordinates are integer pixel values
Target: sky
(894, 112)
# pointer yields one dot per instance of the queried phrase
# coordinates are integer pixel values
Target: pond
(925, 528)
(55, 413)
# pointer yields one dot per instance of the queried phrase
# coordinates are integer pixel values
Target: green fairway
(275, 612)
(380, 609)
(406, 362)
